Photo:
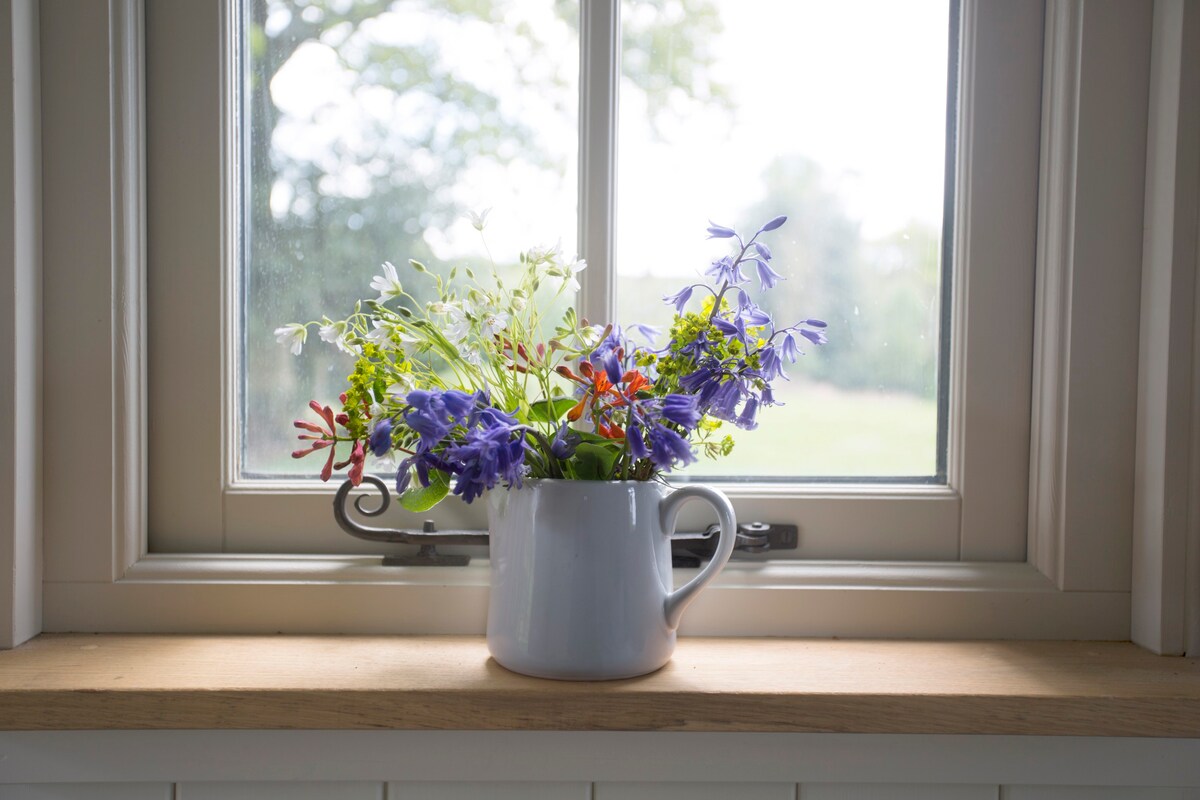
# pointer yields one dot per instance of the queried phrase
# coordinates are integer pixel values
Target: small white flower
(550, 254)
(335, 333)
(591, 335)
(457, 325)
(471, 356)
(456, 331)
(519, 304)
(383, 331)
(494, 322)
(331, 332)
(572, 270)
(387, 284)
(293, 334)
(478, 220)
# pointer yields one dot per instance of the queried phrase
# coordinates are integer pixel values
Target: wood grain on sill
(84, 681)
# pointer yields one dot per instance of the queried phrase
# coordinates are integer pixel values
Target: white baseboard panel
(182, 756)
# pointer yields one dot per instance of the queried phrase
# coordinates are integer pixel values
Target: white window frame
(1075, 581)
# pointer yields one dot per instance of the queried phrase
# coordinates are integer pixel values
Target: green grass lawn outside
(824, 431)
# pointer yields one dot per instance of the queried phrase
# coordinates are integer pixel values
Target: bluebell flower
(695, 382)
(816, 337)
(648, 332)
(735, 329)
(762, 250)
(609, 355)
(564, 442)
(486, 455)
(633, 435)
(772, 364)
(612, 367)
(746, 420)
(816, 323)
(422, 471)
(458, 404)
(790, 351)
(492, 417)
(380, 440)
(727, 270)
(433, 413)
(404, 475)
(716, 231)
(772, 225)
(723, 404)
(682, 410)
(750, 311)
(667, 447)
(698, 348)
(768, 396)
(680, 298)
(767, 277)
(431, 425)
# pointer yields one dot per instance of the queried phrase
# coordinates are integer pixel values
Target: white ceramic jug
(581, 576)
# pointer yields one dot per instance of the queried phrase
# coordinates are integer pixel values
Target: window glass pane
(835, 114)
(371, 128)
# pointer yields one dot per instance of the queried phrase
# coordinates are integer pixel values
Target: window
(1009, 151)
(317, 196)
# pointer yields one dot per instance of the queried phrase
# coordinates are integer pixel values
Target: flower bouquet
(470, 389)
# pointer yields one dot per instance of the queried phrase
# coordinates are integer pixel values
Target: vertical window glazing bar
(599, 64)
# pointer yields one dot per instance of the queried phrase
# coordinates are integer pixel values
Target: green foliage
(420, 498)
(594, 461)
(550, 410)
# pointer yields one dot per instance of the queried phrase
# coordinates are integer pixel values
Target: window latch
(688, 548)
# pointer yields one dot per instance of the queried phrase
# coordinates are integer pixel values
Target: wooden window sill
(87, 682)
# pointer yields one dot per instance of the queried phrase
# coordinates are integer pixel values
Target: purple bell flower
(816, 337)
(564, 442)
(723, 404)
(716, 231)
(667, 447)
(682, 409)
(633, 435)
(380, 440)
(767, 277)
(746, 420)
(772, 225)
(680, 298)
(726, 270)
(772, 364)
(790, 351)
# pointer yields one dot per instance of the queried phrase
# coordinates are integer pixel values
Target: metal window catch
(428, 538)
(688, 548)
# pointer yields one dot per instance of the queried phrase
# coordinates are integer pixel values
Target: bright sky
(858, 86)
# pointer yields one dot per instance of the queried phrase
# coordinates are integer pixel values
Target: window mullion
(599, 64)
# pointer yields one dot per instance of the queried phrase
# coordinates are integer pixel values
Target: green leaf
(422, 498)
(550, 410)
(594, 462)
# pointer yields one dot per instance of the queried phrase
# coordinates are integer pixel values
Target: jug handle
(679, 599)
